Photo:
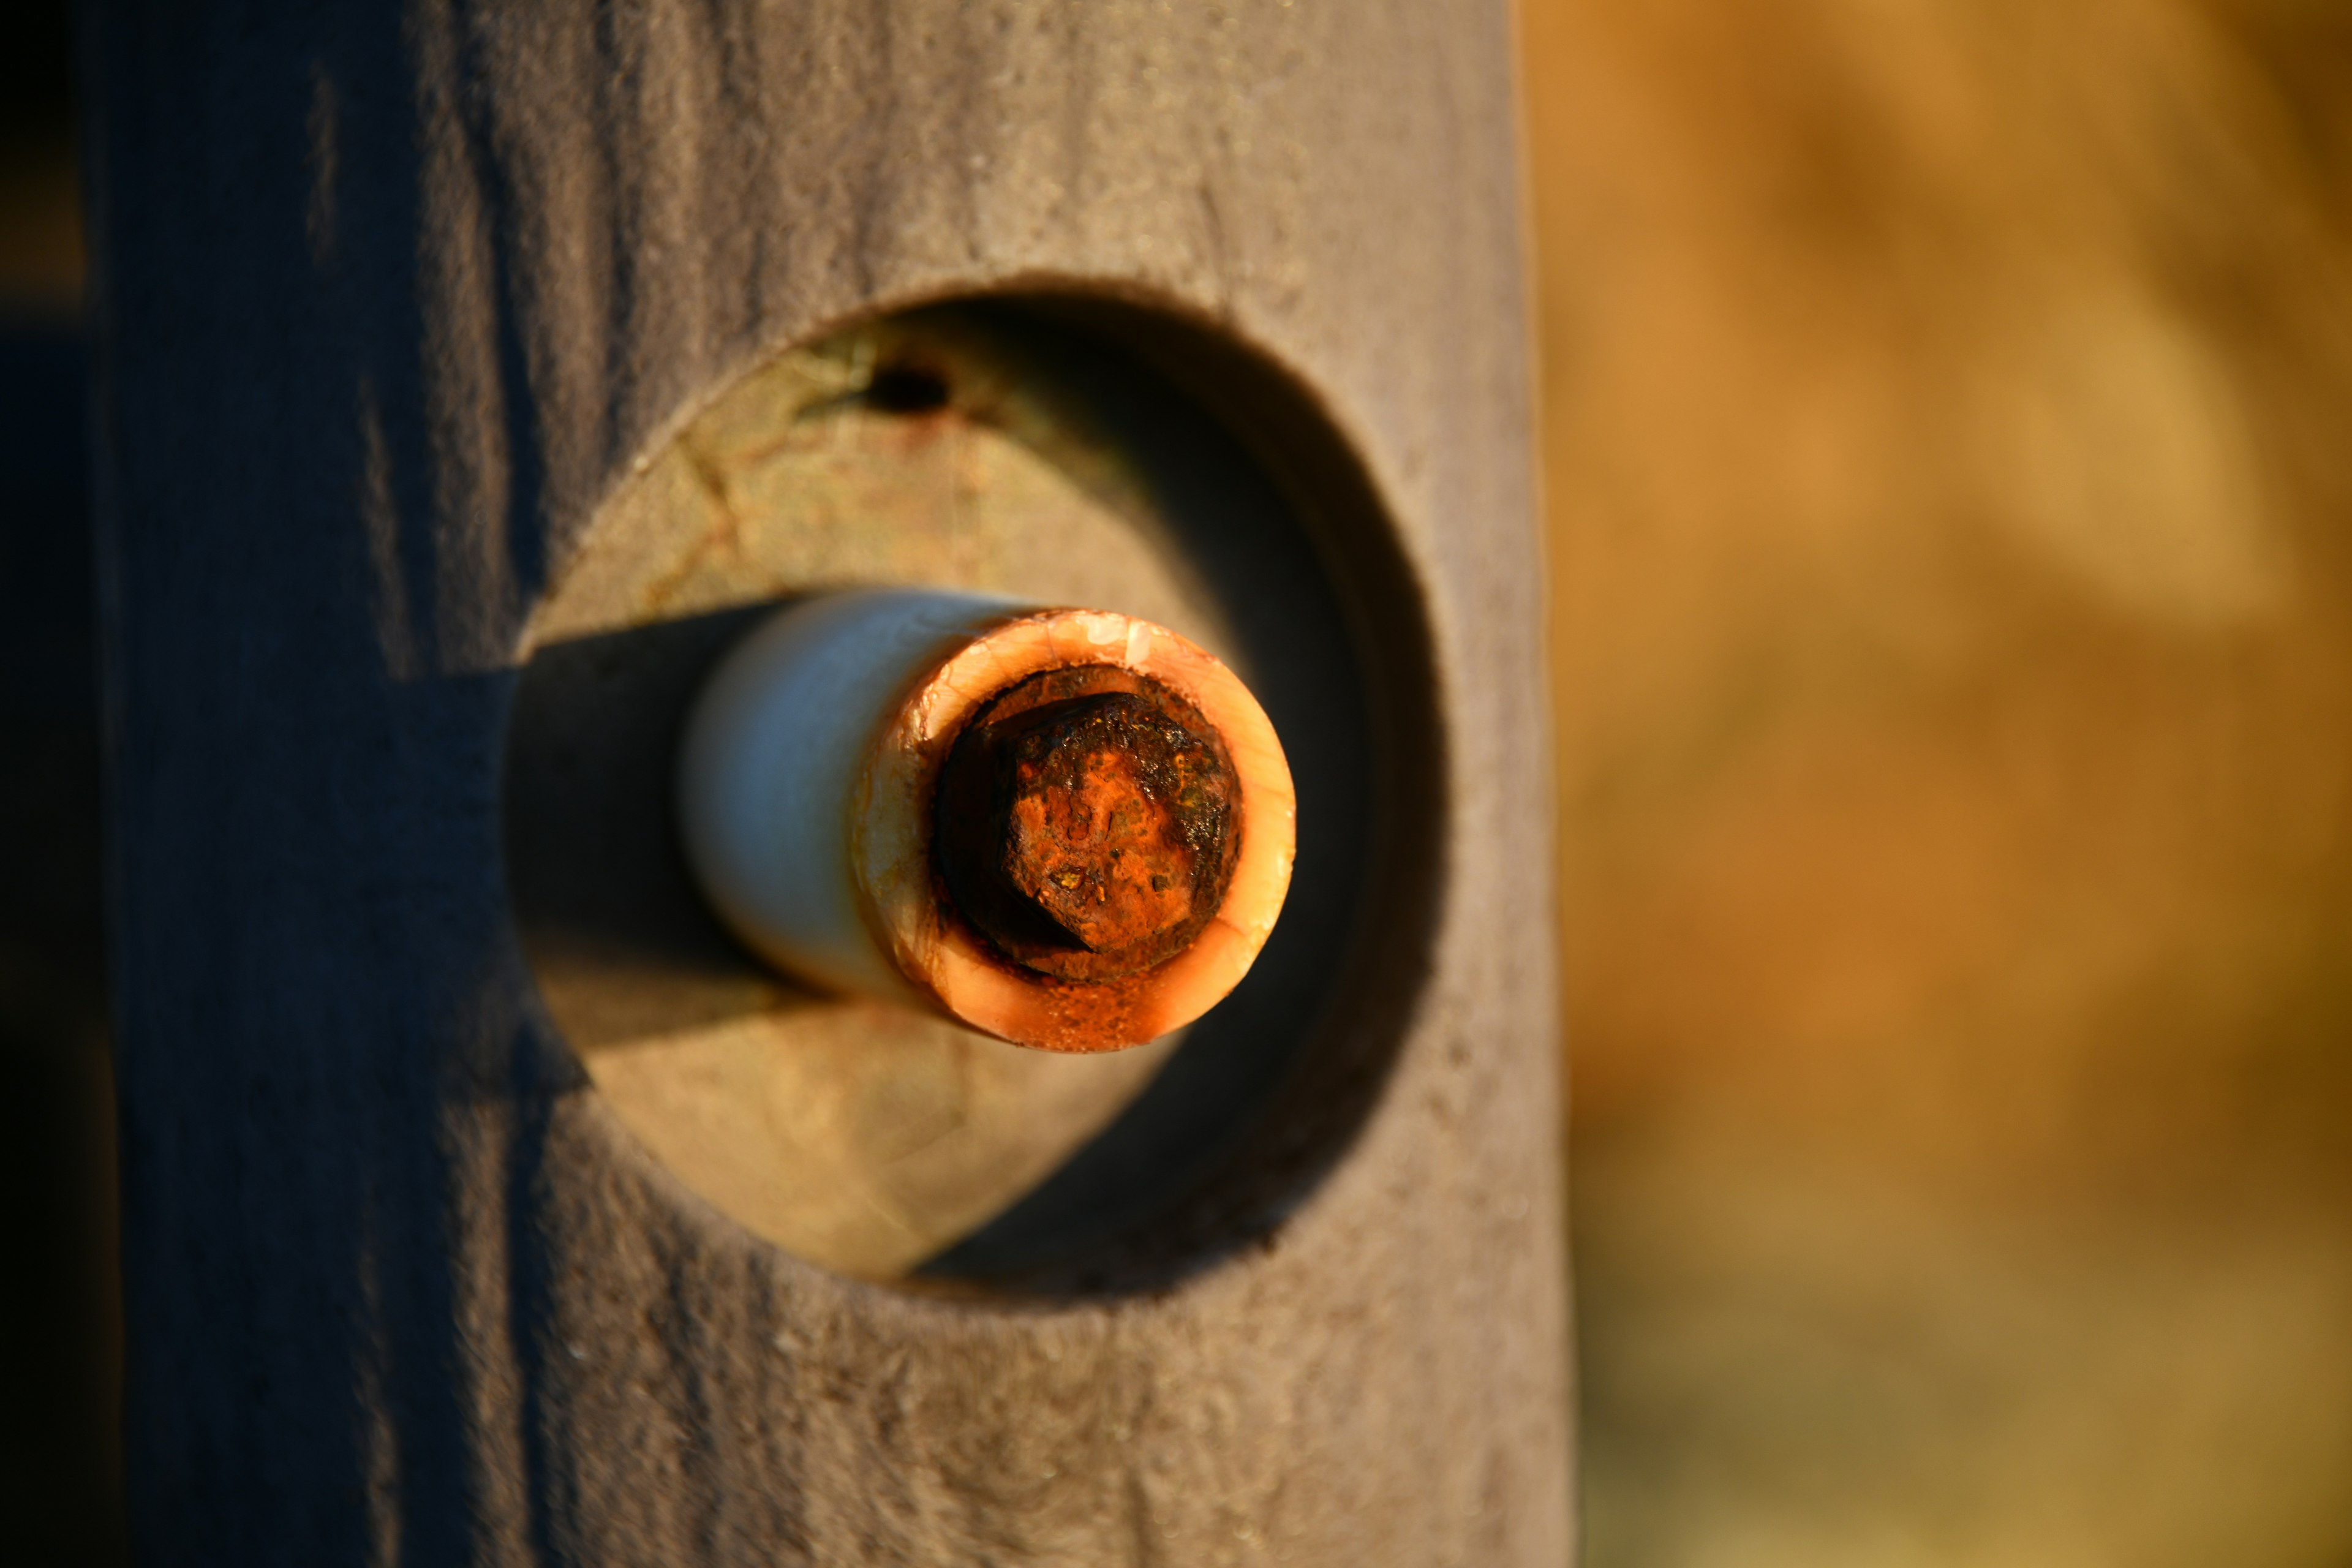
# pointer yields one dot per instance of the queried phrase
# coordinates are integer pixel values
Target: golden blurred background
(1948, 438)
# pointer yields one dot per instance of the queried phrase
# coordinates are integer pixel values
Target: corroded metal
(1088, 822)
(1145, 756)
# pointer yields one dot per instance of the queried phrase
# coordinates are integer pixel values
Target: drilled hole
(907, 389)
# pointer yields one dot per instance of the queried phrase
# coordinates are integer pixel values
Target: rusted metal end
(1088, 822)
(1075, 832)
(1044, 837)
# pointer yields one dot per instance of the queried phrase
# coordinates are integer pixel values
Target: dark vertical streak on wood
(532, 1287)
(870, 239)
(734, 175)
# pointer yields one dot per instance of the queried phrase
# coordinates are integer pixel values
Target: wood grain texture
(387, 304)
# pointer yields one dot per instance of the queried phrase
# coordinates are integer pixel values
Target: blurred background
(1948, 437)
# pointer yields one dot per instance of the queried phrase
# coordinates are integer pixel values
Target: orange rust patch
(907, 807)
(1088, 822)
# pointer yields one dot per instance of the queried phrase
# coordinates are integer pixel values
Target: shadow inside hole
(1269, 1084)
(621, 942)
(908, 389)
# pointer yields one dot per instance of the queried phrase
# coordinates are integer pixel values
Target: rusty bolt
(1088, 822)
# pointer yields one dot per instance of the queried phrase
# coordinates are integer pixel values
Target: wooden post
(388, 301)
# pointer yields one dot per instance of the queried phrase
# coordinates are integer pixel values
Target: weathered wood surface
(387, 304)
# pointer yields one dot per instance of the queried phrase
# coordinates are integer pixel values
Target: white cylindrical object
(774, 756)
(805, 795)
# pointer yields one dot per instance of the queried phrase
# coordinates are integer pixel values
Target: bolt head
(1088, 822)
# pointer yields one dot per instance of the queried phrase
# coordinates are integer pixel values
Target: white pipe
(806, 786)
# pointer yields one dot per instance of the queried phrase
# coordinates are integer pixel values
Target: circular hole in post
(1071, 451)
